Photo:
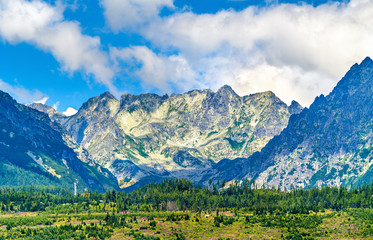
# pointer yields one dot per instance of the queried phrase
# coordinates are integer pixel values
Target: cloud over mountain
(295, 50)
(22, 94)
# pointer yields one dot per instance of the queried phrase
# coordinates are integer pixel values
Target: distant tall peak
(367, 62)
(269, 93)
(266, 94)
(226, 90)
(102, 99)
(6, 96)
(295, 107)
(360, 75)
(107, 94)
(40, 107)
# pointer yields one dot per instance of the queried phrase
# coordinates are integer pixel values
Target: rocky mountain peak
(269, 94)
(179, 135)
(100, 102)
(41, 107)
(39, 151)
(264, 95)
(6, 97)
(196, 92)
(107, 95)
(357, 79)
(295, 107)
(226, 90)
(327, 144)
(52, 113)
(367, 62)
(148, 101)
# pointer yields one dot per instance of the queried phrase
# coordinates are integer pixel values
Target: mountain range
(329, 143)
(200, 135)
(34, 150)
(149, 137)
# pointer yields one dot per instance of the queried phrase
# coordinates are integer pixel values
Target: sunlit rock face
(148, 137)
(328, 144)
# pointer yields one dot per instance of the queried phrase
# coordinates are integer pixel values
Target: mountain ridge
(178, 135)
(326, 144)
(36, 150)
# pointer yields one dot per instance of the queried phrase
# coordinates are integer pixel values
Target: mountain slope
(35, 151)
(328, 144)
(147, 137)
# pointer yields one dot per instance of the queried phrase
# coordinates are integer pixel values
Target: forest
(178, 209)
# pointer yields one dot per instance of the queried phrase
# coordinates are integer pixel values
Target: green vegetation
(364, 153)
(177, 209)
(234, 144)
(139, 146)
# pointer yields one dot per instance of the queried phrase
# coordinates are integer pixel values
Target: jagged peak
(143, 96)
(50, 111)
(226, 86)
(295, 103)
(41, 107)
(226, 90)
(367, 62)
(102, 98)
(197, 91)
(295, 107)
(268, 94)
(107, 94)
(357, 77)
(5, 96)
(146, 101)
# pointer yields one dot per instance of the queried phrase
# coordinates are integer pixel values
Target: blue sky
(64, 52)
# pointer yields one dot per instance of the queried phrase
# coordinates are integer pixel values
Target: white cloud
(128, 14)
(288, 82)
(21, 94)
(42, 100)
(55, 106)
(297, 51)
(70, 111)
(156, 71)
(43, 25)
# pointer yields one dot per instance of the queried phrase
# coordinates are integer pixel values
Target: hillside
(148, 137)
(36, 151)
(328, 144)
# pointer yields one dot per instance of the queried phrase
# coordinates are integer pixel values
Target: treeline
(67, 231)
(181, 194)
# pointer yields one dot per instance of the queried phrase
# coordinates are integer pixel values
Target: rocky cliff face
(36, 150)
(328, 144)
(175, 136)
(53, 114)
(148, 137)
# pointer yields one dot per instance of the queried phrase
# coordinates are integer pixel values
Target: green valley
(177, 209)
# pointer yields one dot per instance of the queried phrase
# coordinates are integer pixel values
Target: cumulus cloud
(129, 14)
(156, 71)
(70, 111)
(21, 94)
(43, 25)
(297, 51)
